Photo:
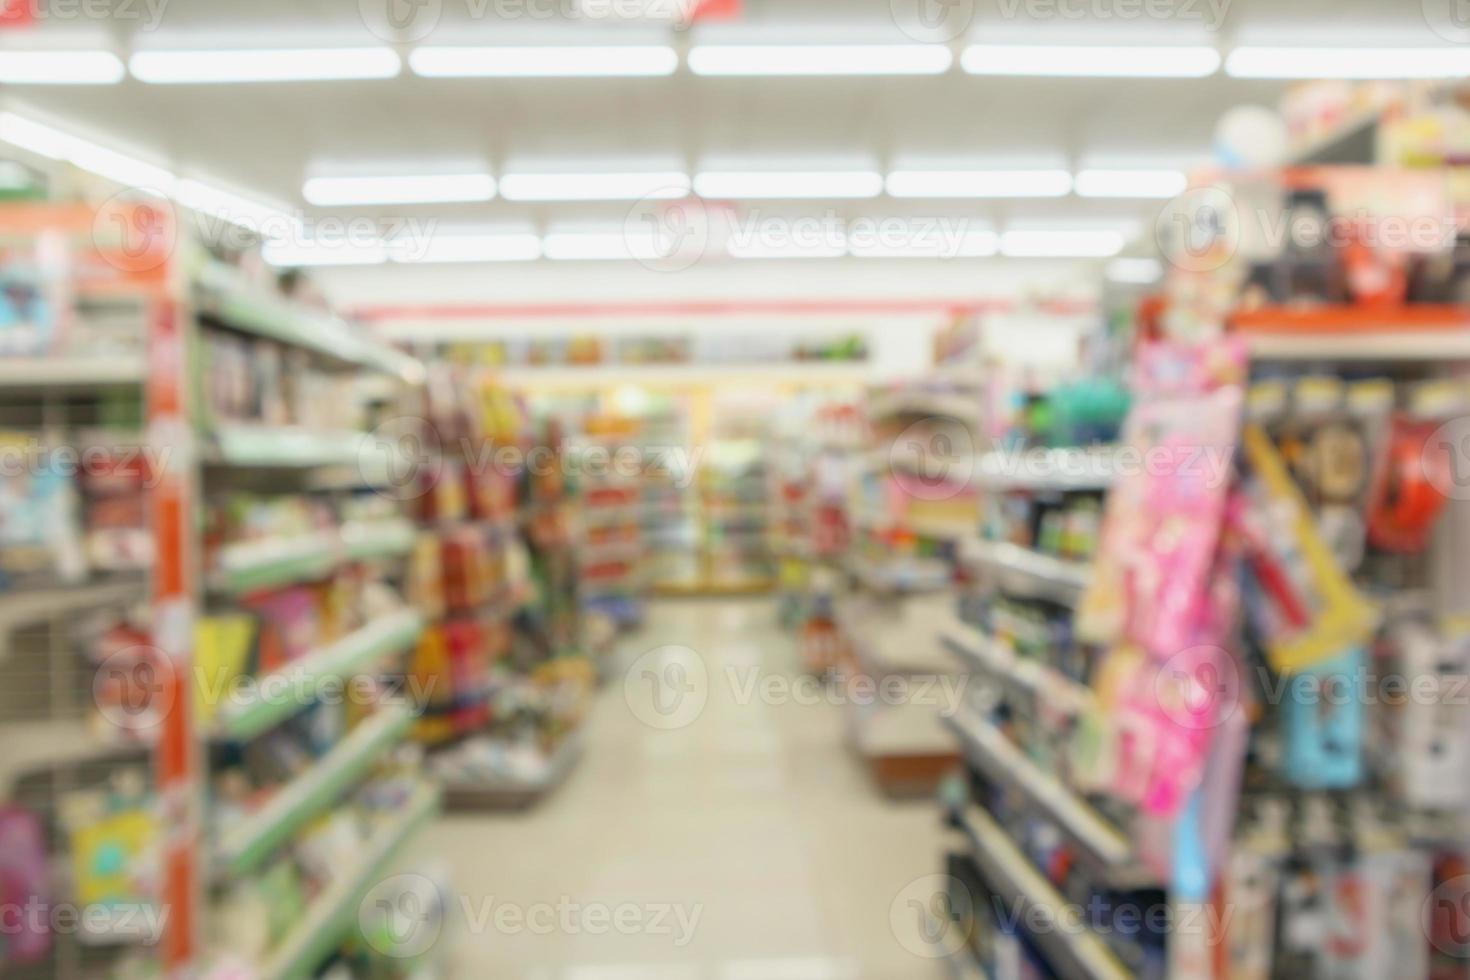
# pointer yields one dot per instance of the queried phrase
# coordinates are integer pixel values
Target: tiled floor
(744, 845)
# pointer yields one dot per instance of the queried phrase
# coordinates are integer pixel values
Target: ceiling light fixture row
(615, 245)
(26, 66)
(363, 191)
(744, 185)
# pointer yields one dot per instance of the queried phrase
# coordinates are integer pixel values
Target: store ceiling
(269, 138)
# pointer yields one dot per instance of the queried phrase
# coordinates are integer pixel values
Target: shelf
(1035, 680)
(1106, 846)
(254, 565)
(902, 576)
(1059, 931)
(272, 563)
(964, 408)
(24, 606)
(333, 915)
(1390, 346)
(1028, 572)
(1354, 141)
(815, 373)
(246, 845)
(222, 295)
(365, 541)
(292, 447)
(56, 374)
(282, 694)
(1056, 470)
(40, 746)
(511, 792)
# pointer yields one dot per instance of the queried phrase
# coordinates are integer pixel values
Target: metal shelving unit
(173, 296)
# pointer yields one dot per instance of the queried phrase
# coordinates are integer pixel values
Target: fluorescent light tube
(41, 67)
(1135, 270)
(1090, 61)
(1060, 244)
(217, 202)
(91, 157)
(593, 187)
(285, 65)
(979, 183)
(598, 245)
(831, 246)
(791, 185)
(544, 62)
(1131, 183)
(501, 247)
(927, 245)
(298, 254)
(820, 59)
(1334, 63)
(426, 189)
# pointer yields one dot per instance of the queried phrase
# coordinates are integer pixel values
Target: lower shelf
(1074, 950)
(333, 914)
(511, 793)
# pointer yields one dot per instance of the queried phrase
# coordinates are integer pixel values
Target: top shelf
(1393, 346)
(221, 294)
(1424, 332)
(58, 374)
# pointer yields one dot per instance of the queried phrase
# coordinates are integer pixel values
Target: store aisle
(747, 845)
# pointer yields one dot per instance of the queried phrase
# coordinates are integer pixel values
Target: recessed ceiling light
(425, 189)
(979, 183)
(496, 247)
(103, 161)
(1332, 63)
(1090, 61)
(789, 185)
(1070, 243)
(544, 62)
(267, 219)
(829, 244)
(1131, 183)
(820, 59)
(1135, 270)
(925, 242)
(298, 254)
(285, 65)
(597, 245)
(39, 67)
(593, 187)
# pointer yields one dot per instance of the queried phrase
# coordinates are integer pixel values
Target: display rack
(178, 292)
